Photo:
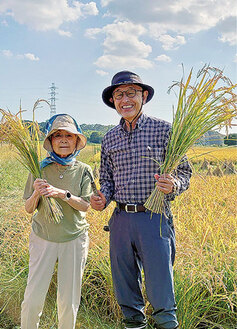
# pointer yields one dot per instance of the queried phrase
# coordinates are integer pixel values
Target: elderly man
(128, 175)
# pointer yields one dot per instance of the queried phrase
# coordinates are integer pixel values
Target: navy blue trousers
(136, 243)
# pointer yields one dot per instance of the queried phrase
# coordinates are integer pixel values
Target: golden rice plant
(213, 154)
(25, 137)
(210, 102)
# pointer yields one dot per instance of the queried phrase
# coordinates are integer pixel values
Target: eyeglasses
(130, 93)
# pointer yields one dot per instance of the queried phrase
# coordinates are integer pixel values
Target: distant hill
(96, 127)
(211, 138)
(95, 133)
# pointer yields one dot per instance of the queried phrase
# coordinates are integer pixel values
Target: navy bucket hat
(125, 78)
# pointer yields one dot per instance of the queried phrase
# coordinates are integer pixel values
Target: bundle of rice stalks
(210, 102)
(25, 137)
(209, 172)
(204, 165)
(217, 171)
(229, 169)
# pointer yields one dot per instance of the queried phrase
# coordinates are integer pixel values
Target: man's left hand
(165, 183)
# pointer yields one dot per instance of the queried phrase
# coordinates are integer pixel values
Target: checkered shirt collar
(140, 122)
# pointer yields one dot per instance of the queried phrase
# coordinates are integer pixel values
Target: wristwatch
(67, 196)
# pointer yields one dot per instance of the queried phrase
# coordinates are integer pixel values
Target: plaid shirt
(127, 170)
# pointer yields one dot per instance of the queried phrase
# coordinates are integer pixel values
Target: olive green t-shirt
(76, 180)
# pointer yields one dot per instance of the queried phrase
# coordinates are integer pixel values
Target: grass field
(205, 267)
(213, 154)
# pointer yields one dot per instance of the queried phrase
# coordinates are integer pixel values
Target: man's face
(128, 100)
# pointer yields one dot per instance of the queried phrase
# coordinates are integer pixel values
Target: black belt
(131, 207)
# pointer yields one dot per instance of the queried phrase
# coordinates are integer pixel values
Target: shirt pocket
(150, 160)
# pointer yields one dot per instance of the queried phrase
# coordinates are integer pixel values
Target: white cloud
(228, 31)
(229, 37)
(101, 72)
(45, 15)
(105, 3)
(29, 56)
(91, 33)
(169, 17)
(88, 8)
(171, 43)
(7, 53)
(166, 21)
(111, 61)
(122, 38)
(163, 58)
(122, 46)
(65, 33)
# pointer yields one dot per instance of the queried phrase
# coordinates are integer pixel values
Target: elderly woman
(68, 181)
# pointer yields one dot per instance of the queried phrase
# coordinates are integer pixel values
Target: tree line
(93, 132)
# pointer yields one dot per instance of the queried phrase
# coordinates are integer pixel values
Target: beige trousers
(71, 258)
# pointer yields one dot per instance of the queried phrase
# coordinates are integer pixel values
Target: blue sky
(80, 45)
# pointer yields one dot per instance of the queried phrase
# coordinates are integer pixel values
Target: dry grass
(213, 154)
(207, 211)
(205, 267)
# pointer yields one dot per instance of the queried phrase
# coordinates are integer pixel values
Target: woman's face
(63, 143)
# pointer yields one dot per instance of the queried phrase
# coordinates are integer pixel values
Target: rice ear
(25, 137)
(200, 108)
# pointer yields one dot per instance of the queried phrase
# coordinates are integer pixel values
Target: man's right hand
(98, 202)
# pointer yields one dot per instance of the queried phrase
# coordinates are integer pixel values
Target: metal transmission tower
(52, 100)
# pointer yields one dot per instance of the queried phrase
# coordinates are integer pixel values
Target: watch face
(68, 195)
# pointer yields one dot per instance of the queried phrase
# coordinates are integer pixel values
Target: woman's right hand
(31, 203)
(40, 185)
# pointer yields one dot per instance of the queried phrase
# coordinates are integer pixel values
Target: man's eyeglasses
(130, 93)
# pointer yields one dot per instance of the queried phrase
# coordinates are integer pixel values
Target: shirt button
(133, 180)
(133, 196)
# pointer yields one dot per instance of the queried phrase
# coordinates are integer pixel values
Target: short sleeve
(29, 187)
(86, 189)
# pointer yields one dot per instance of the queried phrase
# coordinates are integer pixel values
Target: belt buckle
(131, 204)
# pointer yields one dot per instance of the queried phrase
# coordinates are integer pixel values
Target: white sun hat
(63, 122)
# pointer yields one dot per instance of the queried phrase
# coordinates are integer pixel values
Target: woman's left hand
(165, 183)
